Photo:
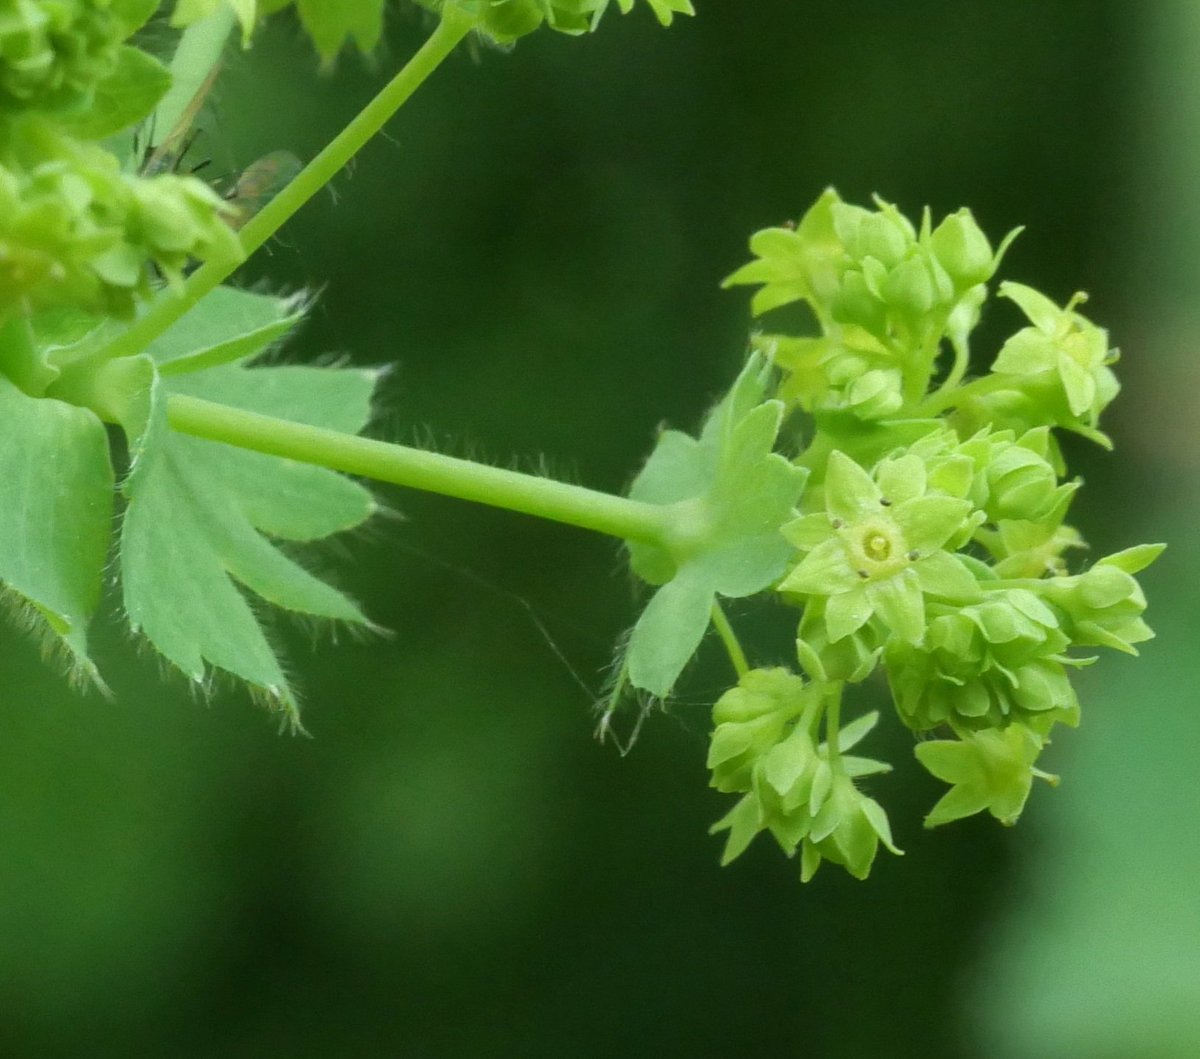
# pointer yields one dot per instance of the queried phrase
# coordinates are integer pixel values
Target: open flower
(990, 770)
(1063, 352)
(847, 830)
(877, 549)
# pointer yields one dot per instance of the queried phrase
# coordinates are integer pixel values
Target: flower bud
(1103, 607)
(910, 289)
(875, 394)
(750, 719)
(983, 665)
(990, 770)
(855, 303)
(75, 230)
(759, 692)
(847, 831)
(506, 22)
(883, 235)
(963, 250)
(1021, 484)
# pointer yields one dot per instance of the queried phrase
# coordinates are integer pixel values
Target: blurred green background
(452, 866)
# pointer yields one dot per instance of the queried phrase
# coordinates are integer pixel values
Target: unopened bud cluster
(506, 20)
(76, 229)
(53, 54)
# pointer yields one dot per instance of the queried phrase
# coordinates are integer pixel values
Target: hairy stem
(418, 469)
(455, 25)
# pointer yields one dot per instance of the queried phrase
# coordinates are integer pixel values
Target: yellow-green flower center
(875, 547)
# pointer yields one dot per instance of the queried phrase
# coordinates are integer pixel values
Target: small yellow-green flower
(1062, 358)
(990, 770)
(846, 830)
(877, 549)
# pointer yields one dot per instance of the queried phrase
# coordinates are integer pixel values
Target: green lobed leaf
(187, 12)
(331, 23)
(134, 13)
(735, 493)
(669, 631)
(56, 485)
(227, 325)
(202, 517)
(196, 524)
(664, 10)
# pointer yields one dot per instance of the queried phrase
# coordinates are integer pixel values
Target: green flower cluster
(884, 294)
(75, 228)
(53, 53)
(800, 790)
(331, 23)
(506, 20)
(930, 540)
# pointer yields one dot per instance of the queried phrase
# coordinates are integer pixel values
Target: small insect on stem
(166, 155)
(260, 182)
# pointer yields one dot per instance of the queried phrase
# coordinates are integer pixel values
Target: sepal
(990, 770)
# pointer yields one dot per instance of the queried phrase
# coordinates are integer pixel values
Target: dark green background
(451, 866)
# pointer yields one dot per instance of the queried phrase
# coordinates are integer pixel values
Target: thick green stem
(833, 723)
(816, 455)
(951, 398)
(431, 471)
(916, 379)
(962, 361)
(455, 25)
(733, 648)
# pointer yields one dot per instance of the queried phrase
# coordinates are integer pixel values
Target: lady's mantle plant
(913, 514)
